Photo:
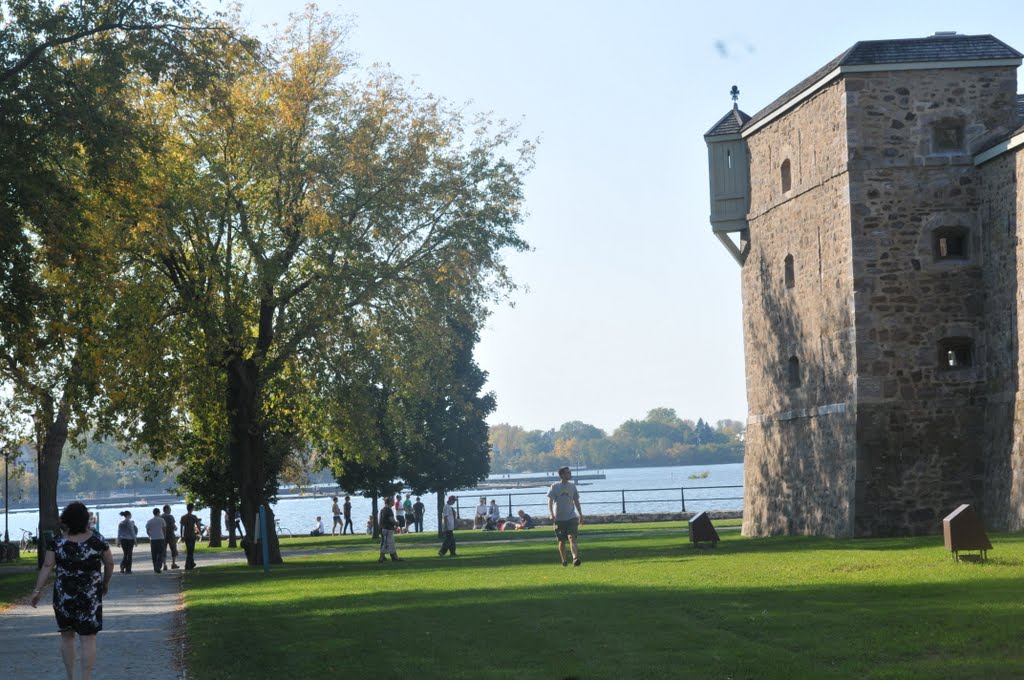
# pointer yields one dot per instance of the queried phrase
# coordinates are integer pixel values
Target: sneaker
(440, 554)
(564, 563)
(395, 558)
(175, 566)
(164, 568)
(576, 562)
(382, 559)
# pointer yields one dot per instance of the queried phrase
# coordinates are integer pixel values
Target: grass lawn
(643, 604)
(16, 579)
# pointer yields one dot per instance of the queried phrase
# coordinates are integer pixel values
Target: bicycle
(282, 532)
(28, 542)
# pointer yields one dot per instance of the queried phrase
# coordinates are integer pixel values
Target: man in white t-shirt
(566, 513)
(450, 517)
(156, 529)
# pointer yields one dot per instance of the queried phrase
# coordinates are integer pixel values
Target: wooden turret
(729, 175)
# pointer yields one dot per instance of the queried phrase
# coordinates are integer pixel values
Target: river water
(650, 489)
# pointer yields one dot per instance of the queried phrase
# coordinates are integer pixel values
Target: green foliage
(443, 428)
(662, 438)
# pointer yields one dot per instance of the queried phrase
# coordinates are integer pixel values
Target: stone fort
(874, 210)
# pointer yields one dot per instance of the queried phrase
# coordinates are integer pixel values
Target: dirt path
(141, 635)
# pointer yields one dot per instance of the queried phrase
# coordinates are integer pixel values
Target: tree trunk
(215, 535)
(230, 519)
(376, 516)
(440, 514)
(248, 455)
(51, 448)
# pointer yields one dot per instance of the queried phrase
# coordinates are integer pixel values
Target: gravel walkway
(141, 639)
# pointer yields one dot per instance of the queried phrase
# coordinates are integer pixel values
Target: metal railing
(670, 499)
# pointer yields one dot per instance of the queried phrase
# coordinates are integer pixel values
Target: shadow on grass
(589, 629)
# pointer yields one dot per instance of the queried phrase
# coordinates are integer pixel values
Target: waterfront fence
(609, 501)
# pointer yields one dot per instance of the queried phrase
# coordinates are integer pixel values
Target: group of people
(389, 526)
(563, 507)
(84, 564)
(339, 512)
(162, 530)
(488, 518)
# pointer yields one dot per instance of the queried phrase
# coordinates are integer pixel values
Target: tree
(372, 480)
(444, 423)
(63, 69)
(287, 202)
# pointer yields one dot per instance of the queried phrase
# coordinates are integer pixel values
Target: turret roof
(730, 123)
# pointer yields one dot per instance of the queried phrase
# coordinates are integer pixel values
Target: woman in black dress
(78, 590)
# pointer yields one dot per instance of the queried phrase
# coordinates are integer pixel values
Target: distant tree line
(97, 470)
(662, 438)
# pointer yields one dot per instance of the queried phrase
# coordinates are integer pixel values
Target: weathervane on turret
(735, 92)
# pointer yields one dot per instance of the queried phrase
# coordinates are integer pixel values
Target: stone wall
(875, 433)
(920, 424)
(1002, 505)
(798, 465)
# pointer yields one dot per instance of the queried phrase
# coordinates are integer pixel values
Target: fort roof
(942, 50)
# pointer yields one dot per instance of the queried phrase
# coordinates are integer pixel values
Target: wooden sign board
(962, 530)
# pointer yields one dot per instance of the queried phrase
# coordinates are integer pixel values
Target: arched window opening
(793, 372)
(787, 180)
(790, 274)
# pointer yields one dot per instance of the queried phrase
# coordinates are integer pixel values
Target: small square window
(951, 243)
(948, 137)
(956, 354)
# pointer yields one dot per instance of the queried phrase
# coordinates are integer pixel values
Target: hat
(452, 499)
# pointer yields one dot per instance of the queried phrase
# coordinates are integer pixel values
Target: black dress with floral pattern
(77, 599)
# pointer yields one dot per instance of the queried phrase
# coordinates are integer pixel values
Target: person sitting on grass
(480, 519)
(525, 521)
(318, 528)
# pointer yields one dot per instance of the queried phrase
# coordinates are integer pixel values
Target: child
(369, 525)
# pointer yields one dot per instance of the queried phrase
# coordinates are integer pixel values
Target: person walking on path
(78, 590)
(336, 512)
(387, 532)
(190, 533)
(127, 534)
(156, 529)
(347, 510)
(140, 641)
(417, 514)
(566, 513)
(449, 518)
(171, 536)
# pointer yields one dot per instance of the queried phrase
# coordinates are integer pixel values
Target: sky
(627, 302)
